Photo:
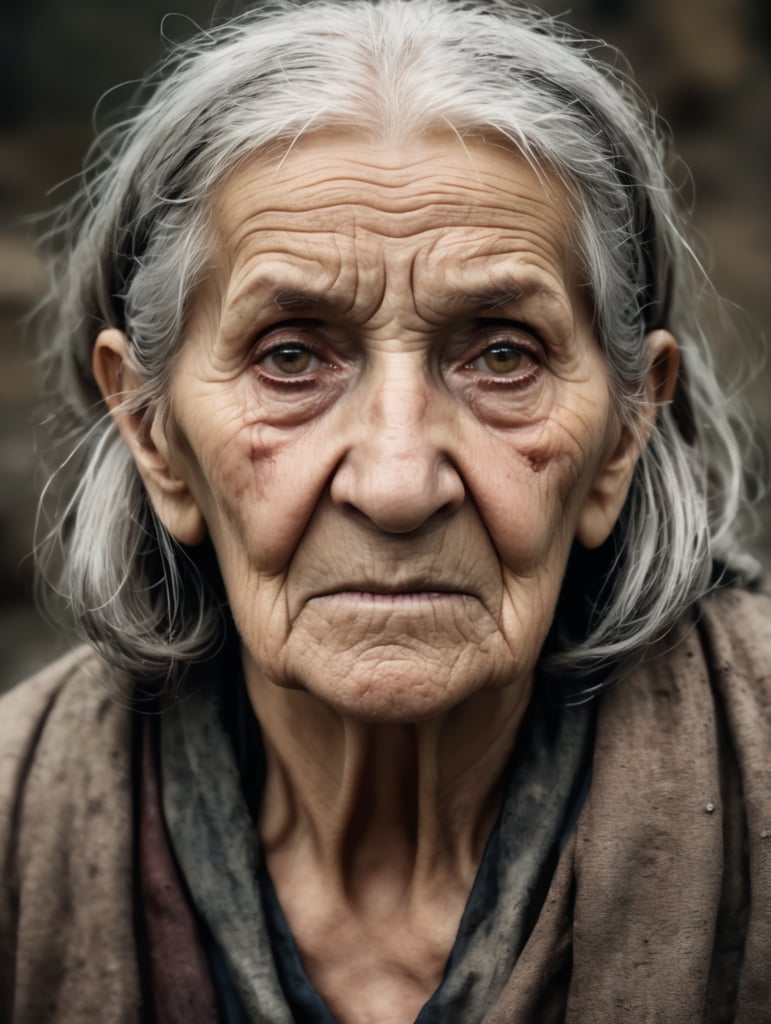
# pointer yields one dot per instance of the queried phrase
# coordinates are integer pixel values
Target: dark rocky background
(705, 63)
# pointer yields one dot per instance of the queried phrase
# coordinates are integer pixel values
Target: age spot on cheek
(537, 460)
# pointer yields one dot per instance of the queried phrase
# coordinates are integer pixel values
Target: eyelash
(508, 335)
(295, 341)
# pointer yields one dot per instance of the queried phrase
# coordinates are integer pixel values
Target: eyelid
(298, 324)
(519, 327)
(293, 333)
(488, 334)
(286, 334)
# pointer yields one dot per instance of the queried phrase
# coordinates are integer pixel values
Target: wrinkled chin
(394, 683)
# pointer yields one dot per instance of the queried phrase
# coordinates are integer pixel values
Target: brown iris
(504, 358)
(291, 359)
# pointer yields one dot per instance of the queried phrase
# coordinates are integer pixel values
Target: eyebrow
(507, 293)
(503, 292)
(288, 299)
(491, 298)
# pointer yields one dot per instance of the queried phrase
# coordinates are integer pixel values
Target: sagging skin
(392, 418)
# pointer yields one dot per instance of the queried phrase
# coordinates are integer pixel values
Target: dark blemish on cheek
(262, 454)
(536, 461)
(238, 473)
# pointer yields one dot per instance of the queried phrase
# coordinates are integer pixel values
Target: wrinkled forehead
(337, 197)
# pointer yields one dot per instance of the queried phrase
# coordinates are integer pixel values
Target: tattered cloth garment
(659, 908)
(254, 957)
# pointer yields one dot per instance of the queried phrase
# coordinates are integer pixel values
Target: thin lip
(397, 589)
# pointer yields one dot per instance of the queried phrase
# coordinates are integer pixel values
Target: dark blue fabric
(231, 1009)
(306, 1004)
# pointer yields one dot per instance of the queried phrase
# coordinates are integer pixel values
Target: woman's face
(392, 418)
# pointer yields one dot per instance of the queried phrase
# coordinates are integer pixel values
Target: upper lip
(407, 586)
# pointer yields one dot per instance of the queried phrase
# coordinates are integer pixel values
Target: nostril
(395, 487)
(446, 509)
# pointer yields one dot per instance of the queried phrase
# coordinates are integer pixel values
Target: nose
(398, 471)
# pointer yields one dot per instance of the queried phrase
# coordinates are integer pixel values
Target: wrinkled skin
(342, 433)
(392, 418)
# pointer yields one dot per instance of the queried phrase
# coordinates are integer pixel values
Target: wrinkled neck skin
(389, 814)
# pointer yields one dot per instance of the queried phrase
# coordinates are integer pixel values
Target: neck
(385, 813)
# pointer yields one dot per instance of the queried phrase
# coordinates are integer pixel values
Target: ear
(614, 475)
(145, 434)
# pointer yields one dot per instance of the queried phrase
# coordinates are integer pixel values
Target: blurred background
(706, 65)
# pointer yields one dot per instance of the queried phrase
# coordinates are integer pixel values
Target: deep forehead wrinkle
(402, 212)
(388, 183)
(501, 242)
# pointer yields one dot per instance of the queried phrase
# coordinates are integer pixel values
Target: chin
(393, 691)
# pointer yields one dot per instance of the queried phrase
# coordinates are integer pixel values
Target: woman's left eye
(290, 360)
(504, 359)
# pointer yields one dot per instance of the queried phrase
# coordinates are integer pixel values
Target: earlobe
(613, 478)
(145, 434)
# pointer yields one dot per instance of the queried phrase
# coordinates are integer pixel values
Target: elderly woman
(398, 445)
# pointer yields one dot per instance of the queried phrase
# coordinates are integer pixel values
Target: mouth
(390, 594)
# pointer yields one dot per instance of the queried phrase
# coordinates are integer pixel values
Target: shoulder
(29, 700)
(735, 633)
(721, 644)
(735, 630)
(60, 726)
(736, 624)
(53, 709)
(63, 735)
(704, 689)
(673, 847)
(66, 843)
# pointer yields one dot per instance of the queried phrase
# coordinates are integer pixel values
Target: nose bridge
(399, 406)
(399, 471)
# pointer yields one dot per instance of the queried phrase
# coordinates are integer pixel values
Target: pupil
(502, 358)
(293, 360)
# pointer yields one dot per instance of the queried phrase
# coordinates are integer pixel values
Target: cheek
(537, 486)
(530, 490)
(257, 487)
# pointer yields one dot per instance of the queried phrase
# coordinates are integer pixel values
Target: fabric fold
(214, 843)
(674, 839)
(204, 804)
(179, 982)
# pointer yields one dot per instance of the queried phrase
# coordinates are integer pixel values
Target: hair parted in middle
(138, 237)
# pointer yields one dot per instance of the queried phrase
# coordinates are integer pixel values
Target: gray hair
(137, 236)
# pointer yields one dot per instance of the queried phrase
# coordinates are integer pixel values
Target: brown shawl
(659, 911)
